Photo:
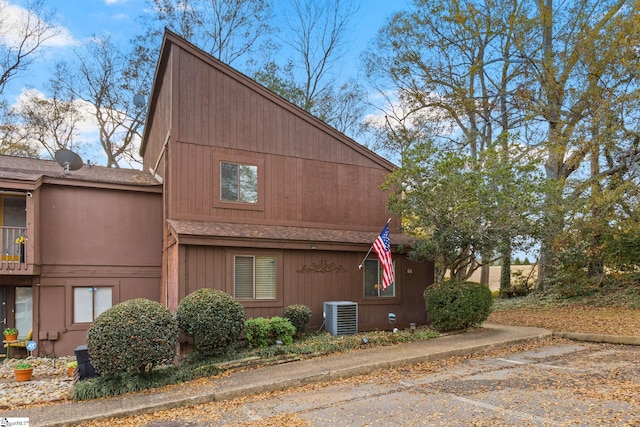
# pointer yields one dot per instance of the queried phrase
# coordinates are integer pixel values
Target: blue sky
(81, 19)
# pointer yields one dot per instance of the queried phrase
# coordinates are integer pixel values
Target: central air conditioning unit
(340, 317)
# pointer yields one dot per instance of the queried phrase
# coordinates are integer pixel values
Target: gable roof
(171, 39)
(33, 170)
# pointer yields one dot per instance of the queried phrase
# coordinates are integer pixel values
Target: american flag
(382, 246)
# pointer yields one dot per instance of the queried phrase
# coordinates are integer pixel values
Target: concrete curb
(279, 377)
(599, 338)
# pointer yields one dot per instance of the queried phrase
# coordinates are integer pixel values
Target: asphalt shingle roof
(278, 232)
(28, 169)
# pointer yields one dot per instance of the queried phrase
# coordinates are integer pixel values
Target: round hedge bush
(214, 319)
(454, 305)
(299, 315)
(135, 335)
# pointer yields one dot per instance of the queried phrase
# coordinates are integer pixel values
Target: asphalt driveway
(564, 383)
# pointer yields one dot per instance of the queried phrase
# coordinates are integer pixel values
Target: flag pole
(370, 247)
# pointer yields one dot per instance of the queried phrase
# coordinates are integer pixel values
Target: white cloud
(15, 19)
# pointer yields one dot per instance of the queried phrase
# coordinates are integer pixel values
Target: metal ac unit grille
(341, 317)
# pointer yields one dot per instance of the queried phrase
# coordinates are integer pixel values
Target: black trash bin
(85, 369)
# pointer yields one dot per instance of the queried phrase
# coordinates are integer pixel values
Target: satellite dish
(139, 100)
(69, 160)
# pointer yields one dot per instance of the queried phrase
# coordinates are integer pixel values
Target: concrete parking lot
(565, 383)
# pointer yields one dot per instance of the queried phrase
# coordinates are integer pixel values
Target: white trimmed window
(90, 302)
(254, 277)
(238, 183)
(372, 280)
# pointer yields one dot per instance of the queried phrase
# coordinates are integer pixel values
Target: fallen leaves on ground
(578, 319)
(209, 413)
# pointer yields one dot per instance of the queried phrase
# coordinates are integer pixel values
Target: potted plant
(23, 371)
(10, 334)
(21, 241)
(71, 366)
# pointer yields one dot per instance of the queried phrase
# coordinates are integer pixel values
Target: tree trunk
(484, 274)
(505, 272)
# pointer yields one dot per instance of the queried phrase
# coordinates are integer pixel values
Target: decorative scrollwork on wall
(322, 267)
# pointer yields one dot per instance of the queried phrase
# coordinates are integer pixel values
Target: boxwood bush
(214, 319)
(262, 332)
(133, 336)
(299, 315)
(454, 305)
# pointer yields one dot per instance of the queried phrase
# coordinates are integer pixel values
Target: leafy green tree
(449, 64)
(586, 92)
(462, 210)
(559, 79)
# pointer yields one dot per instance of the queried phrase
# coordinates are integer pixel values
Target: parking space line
(517, 362)
(544, 365)
(520, 415)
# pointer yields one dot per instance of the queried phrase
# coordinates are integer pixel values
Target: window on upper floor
(238, 183)
(372, 280)
(254, 277)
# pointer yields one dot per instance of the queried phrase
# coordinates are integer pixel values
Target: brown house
(73, 245)
(266, 202)
(241, 191)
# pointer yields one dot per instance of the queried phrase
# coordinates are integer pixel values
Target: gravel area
(50, 382)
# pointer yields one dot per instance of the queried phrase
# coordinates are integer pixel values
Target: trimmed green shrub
(257, 331)
(454, 305)
(299, 315)
(214, 319)
(282, 329)
(133, 336)
(262, 332)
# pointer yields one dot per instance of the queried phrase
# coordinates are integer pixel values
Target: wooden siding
(219, 110)
(310, 174)
(295, 191)
(158, 124)
(209, 267)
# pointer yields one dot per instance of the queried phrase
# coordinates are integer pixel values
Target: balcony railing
(13, 241)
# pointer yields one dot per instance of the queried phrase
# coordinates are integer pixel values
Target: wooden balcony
(14, 245)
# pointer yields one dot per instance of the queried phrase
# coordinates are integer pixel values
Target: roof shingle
(279, 232)
(28, 169)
